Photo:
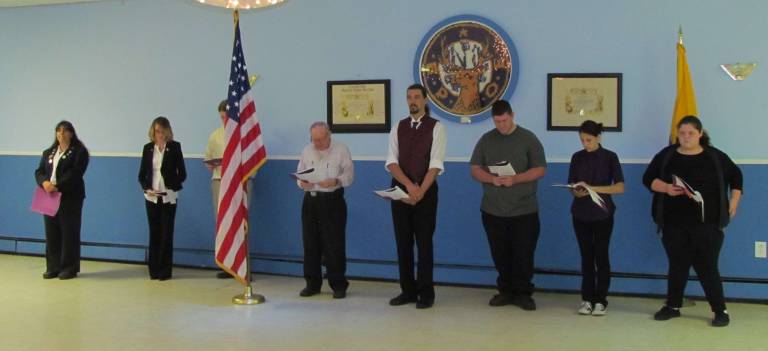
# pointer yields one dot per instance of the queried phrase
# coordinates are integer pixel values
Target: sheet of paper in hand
(308, 175)
(502, 169)
(45, 203)
(392, 193)
(596, 198)
(215, 162)
(692, 193)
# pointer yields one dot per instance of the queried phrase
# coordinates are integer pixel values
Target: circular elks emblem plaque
(466, 63)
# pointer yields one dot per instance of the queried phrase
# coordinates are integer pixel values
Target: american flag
(243, 156)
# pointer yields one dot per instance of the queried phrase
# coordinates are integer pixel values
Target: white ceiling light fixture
(739, 71)
(241, 4)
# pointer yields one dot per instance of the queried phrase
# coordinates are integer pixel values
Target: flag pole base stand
(248, 298)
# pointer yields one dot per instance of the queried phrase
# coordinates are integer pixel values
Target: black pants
(161, 217)
(594, 238)
(513, 243)
(416, 224)
(698, 246)
(62, 237)
(324, 222)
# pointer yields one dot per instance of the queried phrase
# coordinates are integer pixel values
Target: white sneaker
(599, 310)
(585, 308)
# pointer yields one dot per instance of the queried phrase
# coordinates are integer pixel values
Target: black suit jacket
(173, 170)
(69, 171)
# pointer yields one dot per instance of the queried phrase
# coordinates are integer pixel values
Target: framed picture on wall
(359, 106)
(573, 98)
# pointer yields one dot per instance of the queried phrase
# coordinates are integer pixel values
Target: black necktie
(414, 124)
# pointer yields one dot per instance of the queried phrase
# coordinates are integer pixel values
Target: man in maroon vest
(415, 159)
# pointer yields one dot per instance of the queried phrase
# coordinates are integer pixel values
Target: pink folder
(45, 203)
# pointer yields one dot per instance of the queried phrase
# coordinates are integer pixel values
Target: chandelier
(241, 4)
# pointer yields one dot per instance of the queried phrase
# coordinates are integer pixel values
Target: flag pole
(680, 35)
(247, 297)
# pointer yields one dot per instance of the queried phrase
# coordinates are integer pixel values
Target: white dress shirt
(436, 155)
(158, 184)
(56, 158)
(333, 162)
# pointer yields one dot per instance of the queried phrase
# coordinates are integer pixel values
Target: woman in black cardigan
(692, 231)
(161, 173)
(61, 169)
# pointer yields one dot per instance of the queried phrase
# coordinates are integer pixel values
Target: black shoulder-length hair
(695, 122)
(67, 125)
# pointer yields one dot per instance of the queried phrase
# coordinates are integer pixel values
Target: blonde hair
(165, 124)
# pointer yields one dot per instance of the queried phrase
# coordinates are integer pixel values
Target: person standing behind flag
(214, 152)
(324, 211)
(600, 170)
(161, 174)
(690, 240)
(415, 159)
(61, 169)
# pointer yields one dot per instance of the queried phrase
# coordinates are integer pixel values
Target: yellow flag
(685, 103)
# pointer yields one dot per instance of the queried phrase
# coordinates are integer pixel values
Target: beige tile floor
(114, 306)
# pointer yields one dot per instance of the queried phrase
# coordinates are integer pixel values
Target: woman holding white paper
(161, 173)
(689, 238)
(61, 170)
(599, 170)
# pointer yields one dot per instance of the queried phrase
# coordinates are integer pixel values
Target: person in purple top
(597, 169)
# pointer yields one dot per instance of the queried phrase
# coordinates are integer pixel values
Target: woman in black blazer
(61, 169)
(161, 173)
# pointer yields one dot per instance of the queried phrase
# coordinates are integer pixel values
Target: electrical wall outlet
(760, 249)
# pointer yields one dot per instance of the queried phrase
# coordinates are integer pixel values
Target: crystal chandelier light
(242, 4)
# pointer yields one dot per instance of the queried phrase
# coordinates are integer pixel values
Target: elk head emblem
(464, 65)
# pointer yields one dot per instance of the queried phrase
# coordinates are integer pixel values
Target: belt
(321, 194)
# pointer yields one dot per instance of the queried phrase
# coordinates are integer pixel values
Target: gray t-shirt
(523, 150)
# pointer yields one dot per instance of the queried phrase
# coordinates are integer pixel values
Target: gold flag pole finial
(680, 35)
(236, 16)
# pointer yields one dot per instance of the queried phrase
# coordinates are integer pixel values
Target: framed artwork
(573, 98)
(359, 106)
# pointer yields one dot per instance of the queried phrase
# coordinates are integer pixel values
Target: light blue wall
(111, 67)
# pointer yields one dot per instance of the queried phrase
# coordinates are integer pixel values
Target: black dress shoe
(50, 275)
(525, 302)
(307, 292)
(500, 300)
(339, 294)
(666, 313)
(223, 275)
(721, 319)
(424, 303)
(402, 299)
(67, 276)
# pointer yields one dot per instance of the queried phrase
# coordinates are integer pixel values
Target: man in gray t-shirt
(509, 208)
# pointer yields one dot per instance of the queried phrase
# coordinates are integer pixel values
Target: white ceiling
(17, 3)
